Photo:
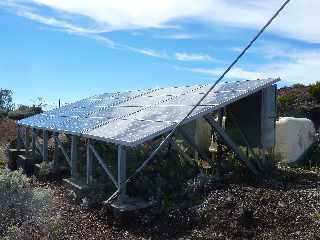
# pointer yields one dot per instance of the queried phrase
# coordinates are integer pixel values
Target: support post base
(131, 204)
(13, 154)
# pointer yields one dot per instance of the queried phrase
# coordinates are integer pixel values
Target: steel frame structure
(119, 182)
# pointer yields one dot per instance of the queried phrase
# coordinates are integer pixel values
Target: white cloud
(104, 40)
(178, 36)
(235, 73)
(65, 26)
(150, 52)
(29, 13)
(127, 14)
(191, 57)
(51, 21)
(300, 19)
(302, 67)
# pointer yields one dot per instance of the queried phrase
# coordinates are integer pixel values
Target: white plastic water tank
(294, 136)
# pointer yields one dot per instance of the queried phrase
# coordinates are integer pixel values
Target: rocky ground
(287, 208)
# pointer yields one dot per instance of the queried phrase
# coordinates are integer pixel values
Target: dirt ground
(268, 210)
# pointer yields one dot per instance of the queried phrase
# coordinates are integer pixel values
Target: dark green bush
(315, 91)
(287, 104)
(289, 99)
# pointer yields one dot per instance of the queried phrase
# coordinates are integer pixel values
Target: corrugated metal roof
(133, 117)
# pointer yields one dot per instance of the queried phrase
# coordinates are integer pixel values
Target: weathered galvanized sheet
(133, 117)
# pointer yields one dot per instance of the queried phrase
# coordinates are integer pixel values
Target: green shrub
(287, 103)
(289, 99)
(316, 216)
(3, 163)
(45, 171)
(25, 212)
(315, 91)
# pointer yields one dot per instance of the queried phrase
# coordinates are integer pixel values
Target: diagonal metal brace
(245, 139)
(62, 150)
(193, 144)
(230, 143)
(103, 165)
(183, 153)
(38, 146)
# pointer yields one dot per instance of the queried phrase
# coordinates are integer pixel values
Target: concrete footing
(26, 163)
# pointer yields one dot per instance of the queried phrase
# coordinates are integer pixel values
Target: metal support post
(196, 140)
(89, 163)
(18, 138)
(219, 145)
(74, 155)
(34, 136)
(122, 169)
(56, 151)
(45, 146)
(26, 140)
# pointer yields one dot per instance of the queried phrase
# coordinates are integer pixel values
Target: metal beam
(89, 170)
(230, 143)
(45, 146)
(122, 173)
(193, 144)
(103, 165)
(63, 151)
(74, 156)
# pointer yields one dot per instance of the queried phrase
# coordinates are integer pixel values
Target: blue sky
(71, 49)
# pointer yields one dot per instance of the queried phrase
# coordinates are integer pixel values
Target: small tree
(6, 99)
(39, 102)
